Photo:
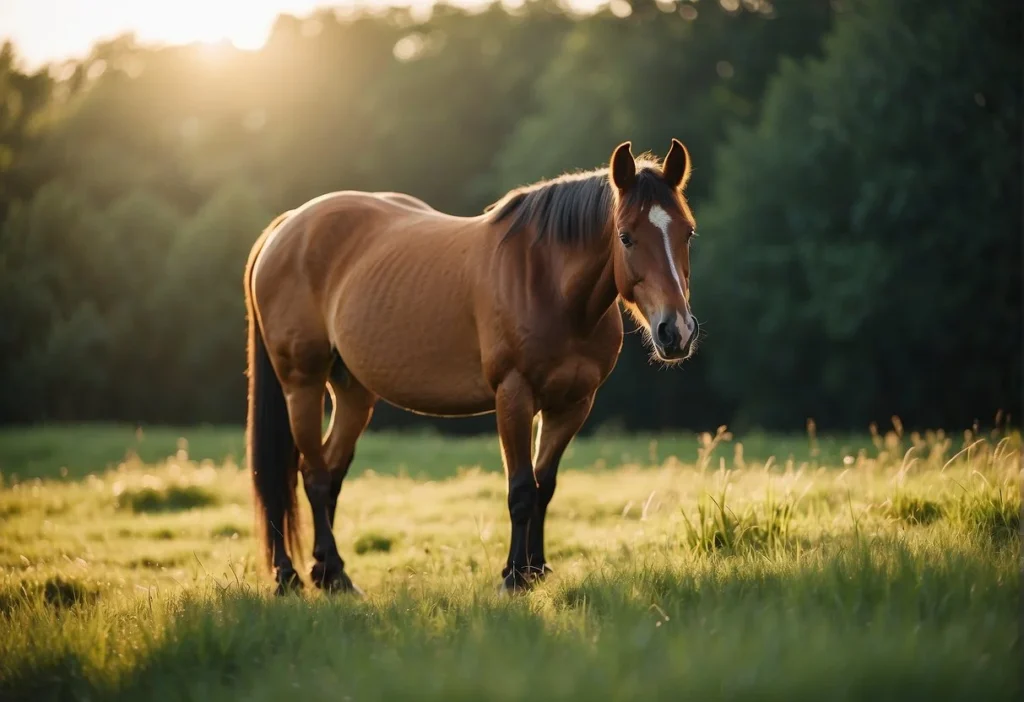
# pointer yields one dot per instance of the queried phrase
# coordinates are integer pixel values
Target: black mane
(576, 208)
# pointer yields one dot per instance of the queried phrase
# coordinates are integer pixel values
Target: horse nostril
(667, 334)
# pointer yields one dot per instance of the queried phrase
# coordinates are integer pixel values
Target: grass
(74, 452)
(891, 572)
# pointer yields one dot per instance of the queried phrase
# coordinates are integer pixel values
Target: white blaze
(661, 219)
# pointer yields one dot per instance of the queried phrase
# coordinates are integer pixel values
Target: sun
(249, 40)
(213, 24)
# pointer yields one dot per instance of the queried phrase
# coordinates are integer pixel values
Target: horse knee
(522, 497)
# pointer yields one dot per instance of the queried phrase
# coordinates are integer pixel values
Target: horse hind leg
(304, 367)
(352, 408)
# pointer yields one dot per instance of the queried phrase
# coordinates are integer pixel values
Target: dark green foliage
(866, 233)
(859, 252)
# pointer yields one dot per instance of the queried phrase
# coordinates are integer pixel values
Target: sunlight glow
(60, 29)
(55, 30)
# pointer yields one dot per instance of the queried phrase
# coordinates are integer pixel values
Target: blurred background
(857, 187)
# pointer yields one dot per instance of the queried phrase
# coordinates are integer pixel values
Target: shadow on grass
(374, 542)
(230, 531)
(913, 509)
(174, 498)
(993, 514)
(57, 593)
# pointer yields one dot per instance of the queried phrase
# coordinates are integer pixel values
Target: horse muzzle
(674, 336)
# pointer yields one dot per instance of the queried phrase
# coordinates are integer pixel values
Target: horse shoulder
(570, 368)
(607, 341)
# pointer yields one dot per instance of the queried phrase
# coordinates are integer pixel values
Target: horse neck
(588, 282)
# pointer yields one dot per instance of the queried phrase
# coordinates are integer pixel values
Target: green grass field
(878, 568)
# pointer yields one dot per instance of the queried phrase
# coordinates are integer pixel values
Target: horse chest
(567, 382)
(574, 368)
(573, 374)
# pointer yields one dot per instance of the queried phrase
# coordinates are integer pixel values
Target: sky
(52, 30)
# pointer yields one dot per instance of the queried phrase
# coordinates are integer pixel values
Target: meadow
(712, 567)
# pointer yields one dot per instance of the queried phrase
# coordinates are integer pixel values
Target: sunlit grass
(891, 575)
(73, 452)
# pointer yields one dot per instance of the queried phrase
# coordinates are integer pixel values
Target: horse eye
(626, 240)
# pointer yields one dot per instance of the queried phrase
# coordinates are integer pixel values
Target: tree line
(857, 187)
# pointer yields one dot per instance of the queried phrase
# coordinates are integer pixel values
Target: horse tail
(270, 448)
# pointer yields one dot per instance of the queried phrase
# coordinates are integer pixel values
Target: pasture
(882, 567)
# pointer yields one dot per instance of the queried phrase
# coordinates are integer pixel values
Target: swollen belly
(441, 404)
(415, 345)
(428, 378)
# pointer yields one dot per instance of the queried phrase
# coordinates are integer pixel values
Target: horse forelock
(577, 208)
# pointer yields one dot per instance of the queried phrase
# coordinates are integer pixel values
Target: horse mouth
(674, 356)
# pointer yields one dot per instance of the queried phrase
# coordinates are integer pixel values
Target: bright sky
(51, 30)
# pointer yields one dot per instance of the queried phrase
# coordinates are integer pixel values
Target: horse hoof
(334, 580)
(505, 590)
(288, 581)
(542, 571)
(341, 583)
(514, 583)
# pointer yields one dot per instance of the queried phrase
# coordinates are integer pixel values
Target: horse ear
(676, 168)
(623, 167)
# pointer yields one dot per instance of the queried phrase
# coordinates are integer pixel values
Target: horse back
(393, 287)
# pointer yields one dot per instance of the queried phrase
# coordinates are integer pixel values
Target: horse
(378, 296)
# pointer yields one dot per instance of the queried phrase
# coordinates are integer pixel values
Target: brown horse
(378, 296)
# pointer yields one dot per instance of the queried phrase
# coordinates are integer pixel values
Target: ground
(687, 567)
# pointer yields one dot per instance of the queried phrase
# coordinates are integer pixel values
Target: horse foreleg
(515, 410)
(557, 429)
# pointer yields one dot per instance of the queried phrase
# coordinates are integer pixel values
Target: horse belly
(420, 356)
(433, 382)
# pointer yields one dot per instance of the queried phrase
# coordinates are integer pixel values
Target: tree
(24, 99)
(865, 234)
(48, 258)
(201, 310)
(140, 232)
